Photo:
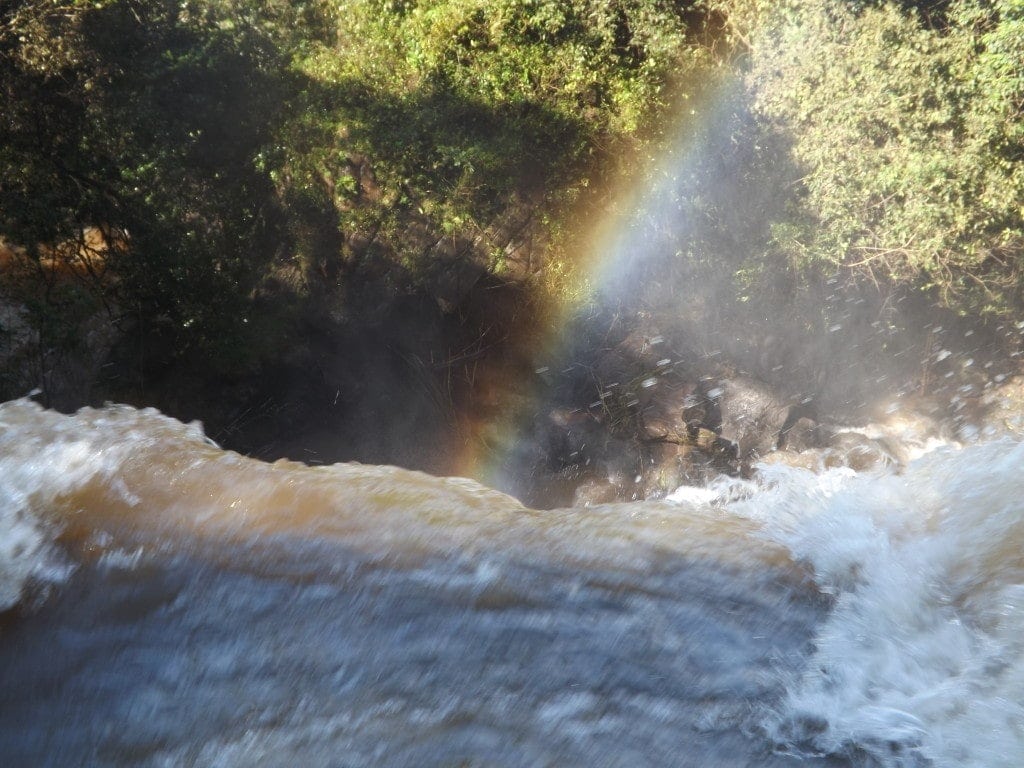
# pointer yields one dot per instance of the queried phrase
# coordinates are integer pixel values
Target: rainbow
(642, 219)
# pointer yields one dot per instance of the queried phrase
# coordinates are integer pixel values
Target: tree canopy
(906, 123)
(230, 141)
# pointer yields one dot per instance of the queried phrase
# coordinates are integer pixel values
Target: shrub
(907, 127)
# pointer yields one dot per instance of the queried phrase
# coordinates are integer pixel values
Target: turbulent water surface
(169, 604)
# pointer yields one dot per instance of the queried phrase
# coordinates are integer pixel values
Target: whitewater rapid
(176, 604)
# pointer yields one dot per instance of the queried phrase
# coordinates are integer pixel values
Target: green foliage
(227, 136)
(908, 130)
(473, 114)
(231, 139)
(146, 117)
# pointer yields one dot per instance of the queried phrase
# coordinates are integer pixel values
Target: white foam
(34, 471)
(924, 647)
(923, 653)
(24, 552)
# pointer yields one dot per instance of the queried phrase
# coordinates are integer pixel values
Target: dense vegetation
(476, 118)
(907, 123)
(249, 158)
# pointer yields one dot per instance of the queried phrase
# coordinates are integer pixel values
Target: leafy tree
(144, 117)
(907, 124)
(220, 134)
(447, 128)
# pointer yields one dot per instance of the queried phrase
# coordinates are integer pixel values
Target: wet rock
(571, 437)
(593, 492)
(665, 470)
(800, 435)
(856, 451)
(665, 416)
(620, 460)
(645, 347)
(65, 377)
(683, 465)
(714, 445)
(1001, 411)
(751, 414)
(610, 370)
(809, 459)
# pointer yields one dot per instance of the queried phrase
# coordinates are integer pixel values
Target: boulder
(1001, 412)
(592, 492)
(748, 413)
(800, 434)
(665, 415)
(856, 451)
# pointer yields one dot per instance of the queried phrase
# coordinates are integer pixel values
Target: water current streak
(182, 605)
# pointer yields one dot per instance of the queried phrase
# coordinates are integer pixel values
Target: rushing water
(174, 604)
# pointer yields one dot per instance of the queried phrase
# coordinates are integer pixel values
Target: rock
(452, 280)
(801, 435)
(593, 492)
(664, 469)
(1002, 411)
(612, 369)
(665, 415)
(645, 347)
(751, 414)
(571, 437)
(621, 462)
(714, 445)
(856, 451)
(809, 459)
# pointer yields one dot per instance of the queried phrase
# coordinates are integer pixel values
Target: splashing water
(922, 652)
(223, 611)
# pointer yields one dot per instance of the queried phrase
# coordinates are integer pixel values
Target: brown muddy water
(172, 604)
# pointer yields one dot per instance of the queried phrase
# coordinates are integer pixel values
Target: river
(169, 603)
